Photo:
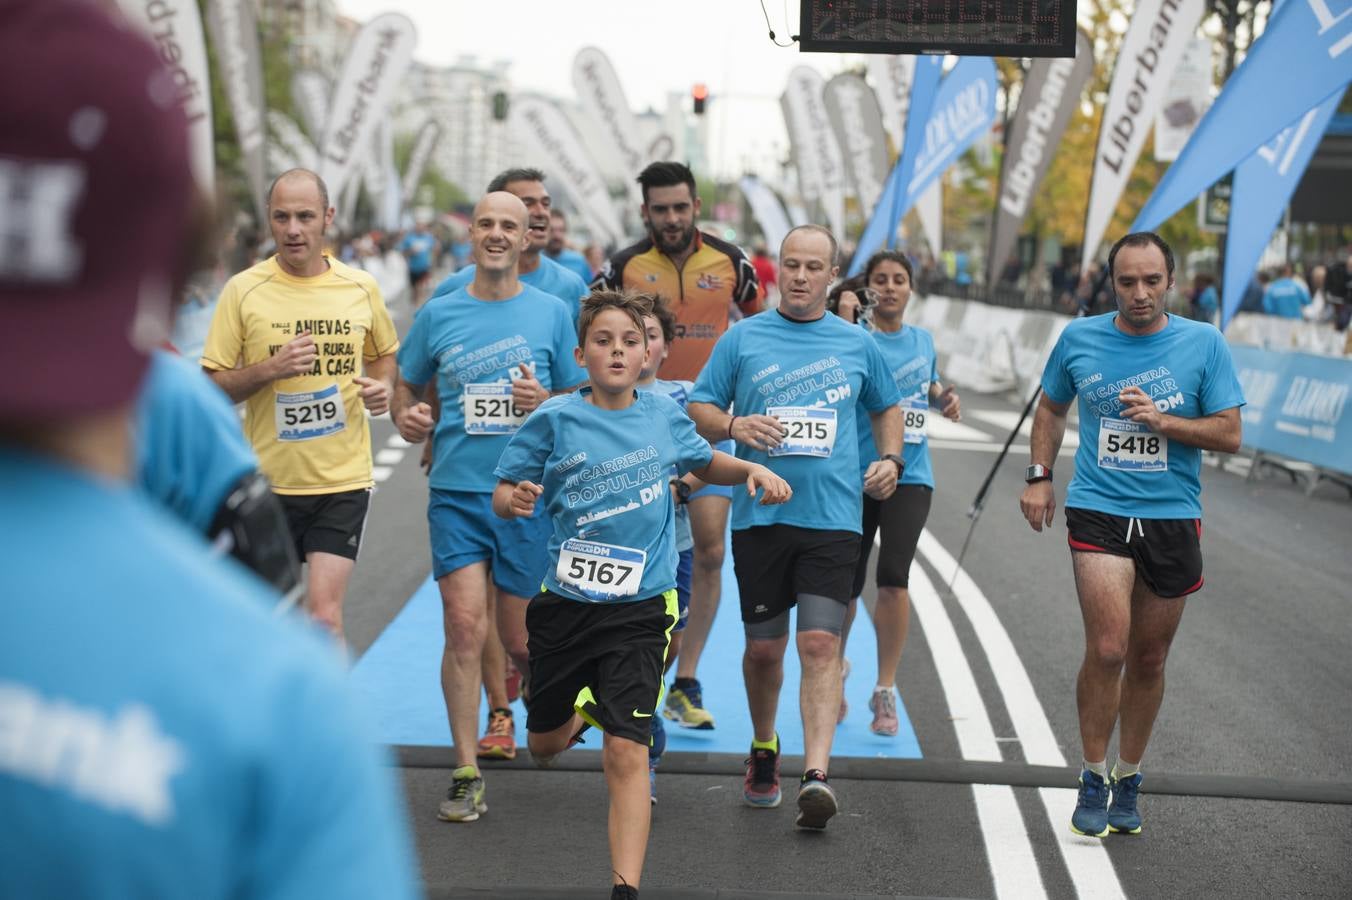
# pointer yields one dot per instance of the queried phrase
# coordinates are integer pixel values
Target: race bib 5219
(310, 415)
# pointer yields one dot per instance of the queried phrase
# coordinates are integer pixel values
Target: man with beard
(534, 268)
(703, 279)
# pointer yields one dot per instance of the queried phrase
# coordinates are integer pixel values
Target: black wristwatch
(1035, 473)
(901, 463)
(682, 491)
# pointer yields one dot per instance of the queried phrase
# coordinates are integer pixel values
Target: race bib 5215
(808, 430)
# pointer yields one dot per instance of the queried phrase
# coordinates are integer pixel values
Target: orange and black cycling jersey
(700, 293)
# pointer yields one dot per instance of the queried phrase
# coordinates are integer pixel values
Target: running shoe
(685, 707)
(761, 787)
(465, 799)
(816, 801)
(883, 705)
(499, 741)
(1123, 817)
(1091, 810)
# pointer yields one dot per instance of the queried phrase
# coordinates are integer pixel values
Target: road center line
(1086, 860)
(1010, 854)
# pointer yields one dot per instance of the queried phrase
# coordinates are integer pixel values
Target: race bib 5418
(1129, 446)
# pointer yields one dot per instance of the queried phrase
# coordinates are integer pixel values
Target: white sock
(882, 689)
(1125, 769)
(1099, 768)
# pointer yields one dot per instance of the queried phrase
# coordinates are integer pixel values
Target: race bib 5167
(600, 571)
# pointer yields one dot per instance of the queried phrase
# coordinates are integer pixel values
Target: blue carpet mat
(400, 682)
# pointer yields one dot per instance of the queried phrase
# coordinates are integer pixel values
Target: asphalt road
(1257, 707)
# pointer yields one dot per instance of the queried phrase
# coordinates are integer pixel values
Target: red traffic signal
(700, 93)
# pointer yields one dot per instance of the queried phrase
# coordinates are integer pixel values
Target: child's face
(657, 346)
(614, 353)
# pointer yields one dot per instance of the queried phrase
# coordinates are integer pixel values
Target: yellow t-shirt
(310, 431)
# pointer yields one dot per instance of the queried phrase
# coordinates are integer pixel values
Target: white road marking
(1010, 854)
(380, 473)
(389, 457)
(1018, 451)
(939, 427)
(1004, 420)
(1086, 859)
(397, 440)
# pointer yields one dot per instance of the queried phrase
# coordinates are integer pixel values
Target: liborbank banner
(234, 33)
(602, 98)
(377, 62)
(547, 135)
(857, 120)
(820, 163)
(175, 28)
(1262, 185)
(1050, 94)
(423, 145)
(1160, 31)
(1303, 56)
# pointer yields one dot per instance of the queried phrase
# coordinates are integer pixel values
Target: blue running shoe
(652, 779)
(1123, 817)
(1091, 810)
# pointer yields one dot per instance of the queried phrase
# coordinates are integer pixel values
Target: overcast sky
(656, 46)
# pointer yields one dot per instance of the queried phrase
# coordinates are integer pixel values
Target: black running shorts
(1167, 552)
(777, 563)
(327, 523)
(901, 518)
(615, 651)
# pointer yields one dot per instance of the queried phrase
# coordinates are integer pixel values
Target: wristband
(730, 421)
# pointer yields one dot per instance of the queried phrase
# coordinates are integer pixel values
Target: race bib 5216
(489, 410)
(808, 430)
(600, 571)
(1131, 447)
(310, 415)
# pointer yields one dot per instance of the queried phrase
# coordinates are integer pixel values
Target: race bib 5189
(915, 413)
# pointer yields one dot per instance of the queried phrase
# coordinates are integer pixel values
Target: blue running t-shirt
(549, 277)
(910, 357)
(574, 262)
(1122, 467)
(474, 348)
(162, 733)
(817, 377)
(605, 475)
(679, 392)
(190, 446)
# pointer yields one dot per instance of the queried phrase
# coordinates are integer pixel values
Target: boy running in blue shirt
(600, 460)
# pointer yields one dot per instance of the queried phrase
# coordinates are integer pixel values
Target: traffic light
(500, 106)
(700, 93)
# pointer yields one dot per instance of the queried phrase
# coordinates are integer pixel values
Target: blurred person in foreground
(164, 734)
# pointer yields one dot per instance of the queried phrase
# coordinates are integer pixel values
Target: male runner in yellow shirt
(306, 343)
